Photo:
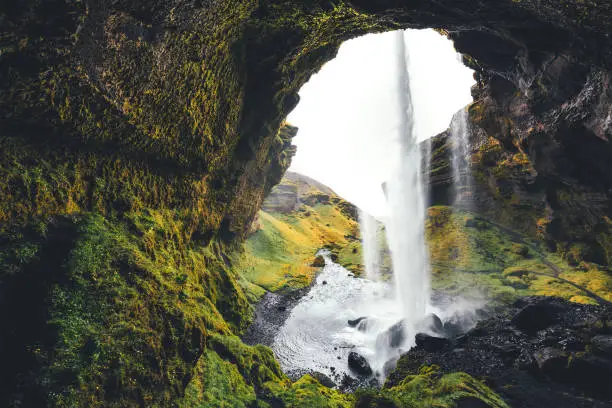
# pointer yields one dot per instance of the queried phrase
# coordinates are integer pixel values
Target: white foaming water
(370, 244)
(406, 223)
(316, 336)
(461, 150)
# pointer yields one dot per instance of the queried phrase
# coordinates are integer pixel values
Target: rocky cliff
(138, 140)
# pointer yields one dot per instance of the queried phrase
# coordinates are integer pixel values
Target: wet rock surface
(355, 322)
(270, 314)
(539, 352)
(358, 364)
(431, 343)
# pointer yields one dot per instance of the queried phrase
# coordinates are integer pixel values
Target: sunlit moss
(429, 388)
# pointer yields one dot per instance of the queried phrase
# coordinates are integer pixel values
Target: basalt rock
(544, 366)
(431, 343)
(393, 337)
(536, 316)
(433, 322)
(355, 322)
(358, 364)
(602, 344)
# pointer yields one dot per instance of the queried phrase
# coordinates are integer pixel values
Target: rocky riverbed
(540, 352)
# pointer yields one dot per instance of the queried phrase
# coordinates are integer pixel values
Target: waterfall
(426, 170)
(406, 221)
(370, 244)
(461, 152)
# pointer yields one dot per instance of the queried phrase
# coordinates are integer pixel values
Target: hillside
(299, 217)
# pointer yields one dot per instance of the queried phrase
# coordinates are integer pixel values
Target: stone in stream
(392, 337)
(355, 322)
(434, 323)
(318, 262)
(358, 364)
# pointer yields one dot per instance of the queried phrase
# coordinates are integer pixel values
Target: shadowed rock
(536, 316)
(431, 343)
(602, 345)
(358, 364)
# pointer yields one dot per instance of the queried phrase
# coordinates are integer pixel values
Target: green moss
(279, 254)
(472, 253)
(429, 388)
(217, 383)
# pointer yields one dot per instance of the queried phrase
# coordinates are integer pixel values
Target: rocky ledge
(540, 352)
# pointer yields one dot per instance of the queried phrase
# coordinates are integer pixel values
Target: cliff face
(120, 105)
(138, 140)
(542, 170)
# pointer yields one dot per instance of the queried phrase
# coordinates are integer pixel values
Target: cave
(139, 139)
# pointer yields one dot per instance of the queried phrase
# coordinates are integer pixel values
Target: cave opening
(346, 118)
(366, 121)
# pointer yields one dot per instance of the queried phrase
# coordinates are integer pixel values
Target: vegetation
(299, 218)
(473, 254)
(138, 142)
(429, 388)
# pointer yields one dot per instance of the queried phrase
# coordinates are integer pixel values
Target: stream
(309, 330)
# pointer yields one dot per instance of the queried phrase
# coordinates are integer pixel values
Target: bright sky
(347, 112)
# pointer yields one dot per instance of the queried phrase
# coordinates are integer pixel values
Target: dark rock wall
(166, 119)
(115, 106)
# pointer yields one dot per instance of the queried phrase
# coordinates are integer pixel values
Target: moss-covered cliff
(138, 140)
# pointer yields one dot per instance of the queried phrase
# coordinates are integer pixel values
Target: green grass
(429, 388)
(279, 254)
(469, 252)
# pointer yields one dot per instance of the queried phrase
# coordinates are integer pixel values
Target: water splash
(461, 163)
(406, 223)
(370, 244)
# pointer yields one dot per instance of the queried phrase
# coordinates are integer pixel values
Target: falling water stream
(406, 221)
(370, 244)
(461, 149)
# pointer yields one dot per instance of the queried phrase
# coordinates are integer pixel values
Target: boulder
(393, 337)
(602, 345)
(431, 343)
(318, 262)
(363, 325)
(433, 322)
(355, 322)
(536, 316)
(358, 364)
(323, 379)
(590, 373)
(551, 361)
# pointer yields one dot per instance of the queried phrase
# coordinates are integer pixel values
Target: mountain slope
(299, 217)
